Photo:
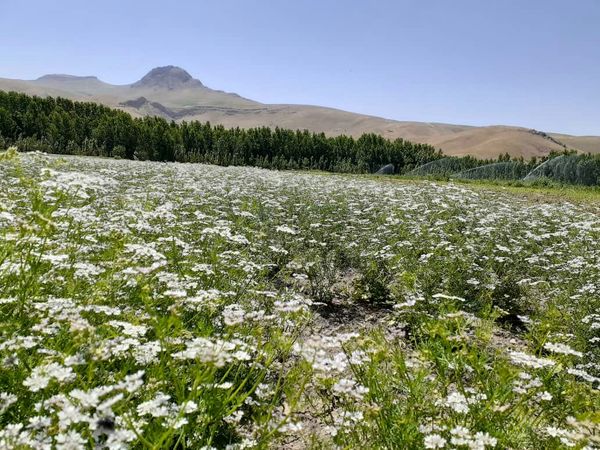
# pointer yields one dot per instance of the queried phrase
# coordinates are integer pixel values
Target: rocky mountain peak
(168, 77)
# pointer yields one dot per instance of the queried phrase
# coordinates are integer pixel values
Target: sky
(531, 63)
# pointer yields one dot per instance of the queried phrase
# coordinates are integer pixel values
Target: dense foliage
(184, 306)
(58, 125)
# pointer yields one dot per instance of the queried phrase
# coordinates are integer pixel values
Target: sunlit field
(163, 305)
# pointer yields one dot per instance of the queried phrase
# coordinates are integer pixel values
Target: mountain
(169, 77)
(172, 93)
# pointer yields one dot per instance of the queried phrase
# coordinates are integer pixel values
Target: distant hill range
(172, 93)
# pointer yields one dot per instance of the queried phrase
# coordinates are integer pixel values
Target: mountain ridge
(174, 94)
(61, 76)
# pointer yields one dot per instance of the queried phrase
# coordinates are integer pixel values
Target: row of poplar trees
(58, 125)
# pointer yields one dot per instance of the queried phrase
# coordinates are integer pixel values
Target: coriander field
(180, 306)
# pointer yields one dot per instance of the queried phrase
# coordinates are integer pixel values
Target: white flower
(233, 314)
(330, 430)
(562, 349)
(6, 399)
(584, 375)
(358, 357)
(41, 375)
(175, 293)
(263, 391)
(286, 229)
(523, 359)
(132, 382)
(39, 422)
(176, 422)
(71, 440)
(129, 329)
(460, 432)
(483, 440)
(147, 353)
(457, 402)
(234, 417)
(189, 407)
(351, 388)
(448, 297)
(460, 436)
(70, 414)
(434, 441)
(218, 352)
(554, 431)
(159, 406)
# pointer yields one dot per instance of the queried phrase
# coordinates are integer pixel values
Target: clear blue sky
(534, 63)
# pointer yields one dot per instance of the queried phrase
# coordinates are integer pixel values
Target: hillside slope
(172, 93)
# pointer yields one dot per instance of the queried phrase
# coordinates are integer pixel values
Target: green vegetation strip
(58, 125)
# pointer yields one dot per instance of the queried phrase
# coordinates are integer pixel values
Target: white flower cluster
(215, 351)
(524, 359)
(351, 388)
(459, 402)
(325, 353)
(562, 349)
(41, 376)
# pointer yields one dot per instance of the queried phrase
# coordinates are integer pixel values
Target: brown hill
(172, 93)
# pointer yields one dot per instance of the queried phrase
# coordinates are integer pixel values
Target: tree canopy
(59, 125)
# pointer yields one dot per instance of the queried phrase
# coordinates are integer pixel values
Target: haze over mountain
(172, 93)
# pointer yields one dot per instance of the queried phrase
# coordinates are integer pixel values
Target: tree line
(59, 125)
